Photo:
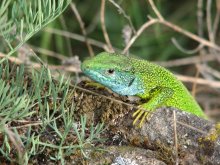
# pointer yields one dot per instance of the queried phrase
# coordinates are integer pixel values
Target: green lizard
(130, 76)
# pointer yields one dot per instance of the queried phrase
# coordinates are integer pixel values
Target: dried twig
(48, 52)
(190, 35)
(16, 140)
(214, 84)
(81, 23)
(209, 20)
(77, 37)
(194, 86)
(37, 65)
(176, 28)
(94, 22)
(193, 51)
(209, 70)
(142, 28)
(200, 17)
(188, 60)
(121, 11)
(160, 17)
(12, 59)
(175, 138)
(102, 15)
(216, 20)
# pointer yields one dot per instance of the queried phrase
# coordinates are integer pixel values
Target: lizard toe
(137, 115)
(141, 115)
(145, 117)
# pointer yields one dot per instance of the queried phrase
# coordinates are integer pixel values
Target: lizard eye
(110, 71)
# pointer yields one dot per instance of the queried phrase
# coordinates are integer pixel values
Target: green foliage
(47, 105)
(94, 135)
(14, 104)
(22, 19)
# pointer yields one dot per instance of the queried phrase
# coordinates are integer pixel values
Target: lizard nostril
(87, 67)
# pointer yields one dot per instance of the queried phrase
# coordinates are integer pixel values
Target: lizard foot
(141, 115)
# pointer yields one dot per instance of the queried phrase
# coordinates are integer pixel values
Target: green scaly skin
(130, 76)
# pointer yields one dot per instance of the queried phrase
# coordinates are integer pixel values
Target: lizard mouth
(93, 74)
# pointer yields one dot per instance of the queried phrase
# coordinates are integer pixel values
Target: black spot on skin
(130, 83)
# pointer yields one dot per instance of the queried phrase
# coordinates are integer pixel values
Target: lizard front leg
(157, 98)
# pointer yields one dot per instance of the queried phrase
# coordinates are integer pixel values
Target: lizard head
(113, 71)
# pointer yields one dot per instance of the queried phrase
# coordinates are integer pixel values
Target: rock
(126, 155)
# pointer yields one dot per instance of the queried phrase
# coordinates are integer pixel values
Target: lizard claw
(140, 115)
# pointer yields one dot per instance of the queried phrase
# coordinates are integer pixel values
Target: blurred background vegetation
(154, 43)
